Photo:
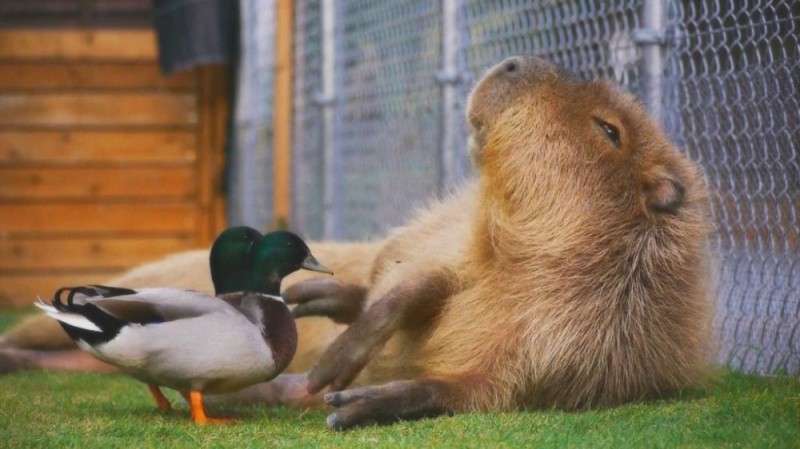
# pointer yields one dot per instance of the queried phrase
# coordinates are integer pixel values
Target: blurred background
(130, 129)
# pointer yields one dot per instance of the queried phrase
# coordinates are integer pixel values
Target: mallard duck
(193, 342)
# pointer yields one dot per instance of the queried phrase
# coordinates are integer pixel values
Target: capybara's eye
(610, 130)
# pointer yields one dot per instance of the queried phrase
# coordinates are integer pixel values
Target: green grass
(87, 410)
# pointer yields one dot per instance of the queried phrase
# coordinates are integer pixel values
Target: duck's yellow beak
(313, 264)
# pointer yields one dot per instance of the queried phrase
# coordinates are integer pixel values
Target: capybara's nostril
(511, 66)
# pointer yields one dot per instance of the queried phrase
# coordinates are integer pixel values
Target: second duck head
(277, 255)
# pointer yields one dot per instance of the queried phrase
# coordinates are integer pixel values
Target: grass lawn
(86, 410)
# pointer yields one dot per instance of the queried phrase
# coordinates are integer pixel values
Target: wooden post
(282, 114)
(214, 109)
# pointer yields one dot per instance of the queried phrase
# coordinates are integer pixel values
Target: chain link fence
(379, 99)
(731, 100)
(368, 127)
(250, 165)
(308, 159)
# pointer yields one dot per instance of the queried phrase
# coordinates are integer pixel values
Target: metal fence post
(326, 100)
(651, 38)
(251, 159)
(449, 78)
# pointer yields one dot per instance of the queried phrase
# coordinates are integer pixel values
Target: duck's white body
(175, 338)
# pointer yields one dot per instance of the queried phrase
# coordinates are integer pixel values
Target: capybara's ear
(663, 190)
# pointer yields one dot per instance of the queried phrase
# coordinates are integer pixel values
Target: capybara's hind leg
(73, 360)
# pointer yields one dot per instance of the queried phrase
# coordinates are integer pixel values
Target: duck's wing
(96, 313)
(150, 305)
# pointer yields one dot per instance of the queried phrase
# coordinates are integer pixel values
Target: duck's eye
(288, 243)
(610, 131)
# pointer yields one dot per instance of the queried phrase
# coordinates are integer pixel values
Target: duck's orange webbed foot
(195, 399)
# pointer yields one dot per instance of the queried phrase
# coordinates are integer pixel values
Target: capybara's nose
(511, 65)
(523, 66)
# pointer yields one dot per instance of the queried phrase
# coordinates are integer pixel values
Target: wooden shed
(104, 162)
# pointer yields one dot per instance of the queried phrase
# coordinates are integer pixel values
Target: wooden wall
(104, 162)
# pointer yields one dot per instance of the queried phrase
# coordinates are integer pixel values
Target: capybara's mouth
(474, 148)
(473, 122)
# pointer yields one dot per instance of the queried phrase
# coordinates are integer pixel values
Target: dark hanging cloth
(196, 32)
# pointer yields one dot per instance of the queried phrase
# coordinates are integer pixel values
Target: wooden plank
(30, 8)
(127, 7)
(89, 109)
(282, 116)
(85, 253)
(76, 13)
(71, 44)
(22, 289)
(75, 75)
(213, 98)
(96, 183)
(100, 147)
(30, 219)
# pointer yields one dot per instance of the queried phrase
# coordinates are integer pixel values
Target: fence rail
(378, 115)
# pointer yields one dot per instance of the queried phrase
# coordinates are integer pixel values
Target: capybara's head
(588, 144)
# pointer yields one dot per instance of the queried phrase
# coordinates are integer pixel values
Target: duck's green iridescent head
(230, 258)
(277, 255)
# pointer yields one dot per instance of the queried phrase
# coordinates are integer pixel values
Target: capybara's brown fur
(577, 258)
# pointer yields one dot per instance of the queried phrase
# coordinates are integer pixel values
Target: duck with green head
(193, 342)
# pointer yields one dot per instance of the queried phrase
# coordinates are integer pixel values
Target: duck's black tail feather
(108, 326)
